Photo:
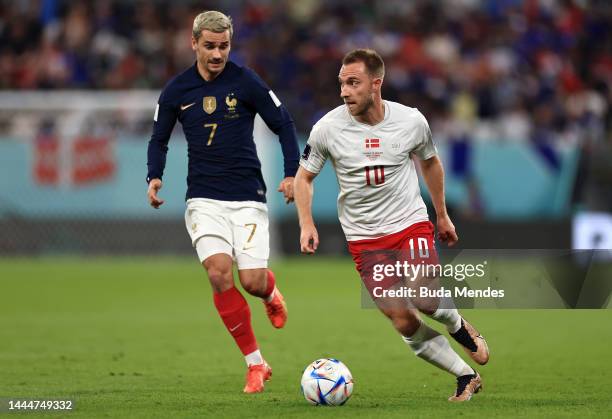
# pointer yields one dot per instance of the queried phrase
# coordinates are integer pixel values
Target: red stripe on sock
(270, 284)
(236, 316)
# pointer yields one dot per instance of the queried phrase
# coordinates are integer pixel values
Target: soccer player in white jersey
(372, 143)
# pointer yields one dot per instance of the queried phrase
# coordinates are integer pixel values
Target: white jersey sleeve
(426, 149)
(315, 153)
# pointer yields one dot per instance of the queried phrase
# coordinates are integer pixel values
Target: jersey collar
(220, 76)
(384, 120)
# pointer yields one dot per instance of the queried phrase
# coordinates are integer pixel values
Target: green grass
(140, 338)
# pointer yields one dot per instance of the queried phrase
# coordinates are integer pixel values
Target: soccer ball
(328, 382)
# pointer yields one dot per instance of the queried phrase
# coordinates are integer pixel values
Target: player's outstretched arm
(303, 191)
(154, 186)
(433, 174)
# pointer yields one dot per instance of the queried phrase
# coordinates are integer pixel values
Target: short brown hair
(373, 62)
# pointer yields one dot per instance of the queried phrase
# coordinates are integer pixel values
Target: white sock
(449, 317)
(254, 358)
(435, 349)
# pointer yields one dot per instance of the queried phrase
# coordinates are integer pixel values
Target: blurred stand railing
(73, 163)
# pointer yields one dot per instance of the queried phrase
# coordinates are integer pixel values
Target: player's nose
(343, 94)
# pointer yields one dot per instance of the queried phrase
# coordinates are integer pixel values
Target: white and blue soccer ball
(327, 382)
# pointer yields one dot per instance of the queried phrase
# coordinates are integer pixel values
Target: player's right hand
(154, 187)
(309, 239)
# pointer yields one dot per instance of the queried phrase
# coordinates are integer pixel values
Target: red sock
(271, 283)
(236, 316)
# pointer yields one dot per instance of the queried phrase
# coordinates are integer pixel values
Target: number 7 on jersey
(212, 132)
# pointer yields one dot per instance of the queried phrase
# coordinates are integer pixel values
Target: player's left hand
(286, 187)
(446, 231)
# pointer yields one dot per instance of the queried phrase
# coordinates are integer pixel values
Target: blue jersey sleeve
(277, 118)
(163, 124)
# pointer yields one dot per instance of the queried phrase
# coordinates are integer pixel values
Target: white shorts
(238, 229)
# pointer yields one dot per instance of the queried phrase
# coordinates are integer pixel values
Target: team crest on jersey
(370, 144)
(210, 104)
(231, 102)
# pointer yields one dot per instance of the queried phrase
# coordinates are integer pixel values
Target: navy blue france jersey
(217, 118)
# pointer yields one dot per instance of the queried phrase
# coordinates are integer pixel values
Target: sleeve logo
(306, 152)
(275, 99)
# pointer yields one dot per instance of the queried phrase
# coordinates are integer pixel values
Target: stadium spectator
(479, 66)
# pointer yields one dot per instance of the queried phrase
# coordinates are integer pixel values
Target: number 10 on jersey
(375, 173)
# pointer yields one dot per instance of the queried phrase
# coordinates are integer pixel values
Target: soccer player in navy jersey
(216, 102)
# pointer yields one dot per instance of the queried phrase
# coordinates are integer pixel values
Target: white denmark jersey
(379, 189)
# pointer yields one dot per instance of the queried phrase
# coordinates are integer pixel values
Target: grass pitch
(141, 338)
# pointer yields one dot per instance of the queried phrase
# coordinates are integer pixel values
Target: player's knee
(251, 287)
(219, 270)
(404, 321)
(405, 326)
(220, 279)
(255, 282)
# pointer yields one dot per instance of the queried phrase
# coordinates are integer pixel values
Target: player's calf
(236, 316)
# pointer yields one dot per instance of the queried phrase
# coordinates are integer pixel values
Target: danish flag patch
(372, 142)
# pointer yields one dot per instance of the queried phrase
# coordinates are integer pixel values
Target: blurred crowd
(512, 70)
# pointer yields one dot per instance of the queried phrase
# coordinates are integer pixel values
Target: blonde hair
(212, 21)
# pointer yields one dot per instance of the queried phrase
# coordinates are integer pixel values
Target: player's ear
(194, 43)
(377, 83)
